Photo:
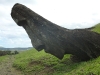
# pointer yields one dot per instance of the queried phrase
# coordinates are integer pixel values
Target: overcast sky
(66, 13)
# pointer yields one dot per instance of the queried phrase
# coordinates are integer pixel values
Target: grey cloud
(10, 34)
(19, 42)
(17, 1)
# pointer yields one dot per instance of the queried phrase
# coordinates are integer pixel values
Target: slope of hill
(97, 28)
(32, 62)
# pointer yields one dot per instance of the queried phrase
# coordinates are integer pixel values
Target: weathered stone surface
(56, 40)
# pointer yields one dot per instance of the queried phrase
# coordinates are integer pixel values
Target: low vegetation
(40, 63)
(3, 58)
(97, 28)
(32, 62)
(4, 54)
(8, 52)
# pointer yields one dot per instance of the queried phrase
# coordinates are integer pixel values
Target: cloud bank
(66, 13)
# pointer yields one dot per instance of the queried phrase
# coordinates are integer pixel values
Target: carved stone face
(20, 17)
(38, 29)
(56, 40)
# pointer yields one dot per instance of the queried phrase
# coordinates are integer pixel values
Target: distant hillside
(2, 48)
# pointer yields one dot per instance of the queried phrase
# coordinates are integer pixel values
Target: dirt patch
(34, 63)
(6, 67)
(47, 71)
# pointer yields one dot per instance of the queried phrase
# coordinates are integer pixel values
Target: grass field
(32, 62)
(97, 28)
(3, 58)
(40, 63)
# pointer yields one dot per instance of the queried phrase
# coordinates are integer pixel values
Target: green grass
(41, 63)
(3, 58)
(97, 28)
(32, 62)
